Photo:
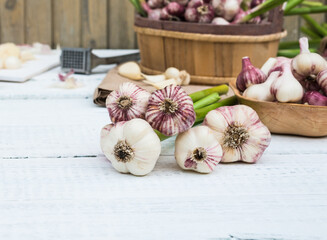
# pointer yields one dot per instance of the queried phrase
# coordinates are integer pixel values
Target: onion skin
(314, 98)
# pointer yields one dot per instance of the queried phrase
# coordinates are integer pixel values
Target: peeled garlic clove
(132, 147)
(9, 49)
(12, 62)
(130, 70)
(249, 75)
(198, 149)
(128, 102)
(154, 78)
(170, 110)
(162, 84)
(240, 133)
(172, 73)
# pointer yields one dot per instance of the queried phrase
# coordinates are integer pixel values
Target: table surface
(55, 183)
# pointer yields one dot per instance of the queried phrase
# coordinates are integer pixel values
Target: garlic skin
(154, 78)
(226, 8)
(128, 102)
(314, 98)
(132, 147)
(307, 65)
(170, 110)
(198, 150)
(249, 75)
(322, 81)
(262, 91)
(286, 88)
(241, 134)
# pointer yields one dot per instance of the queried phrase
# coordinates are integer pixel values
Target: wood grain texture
(12, 21)
(94, 23)
(120, 24)
(38, 24)
(67, 23)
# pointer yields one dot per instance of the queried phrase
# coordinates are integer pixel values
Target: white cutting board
(31, 68)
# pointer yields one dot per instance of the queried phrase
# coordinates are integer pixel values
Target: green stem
(138, 7)
(291, 53)
(295, 44)
(262, 8)
(306, 10)
(312, 4)
(221, 89)
(210, 99)
(315, 26)
(291, 4)
(310, 33)
(202, 112)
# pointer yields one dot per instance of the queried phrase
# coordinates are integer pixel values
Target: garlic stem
(221, 89)
(202, 112)
(208, 100)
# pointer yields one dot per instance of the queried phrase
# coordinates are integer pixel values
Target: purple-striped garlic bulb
(307, 65)
(199, 11)
(170, 110)
(249, 75)
(322, 81)
(155, 3)
(314, 98)
(198, 149)
(175, 9)
(241, 134)
(226, 8)
(128, 102)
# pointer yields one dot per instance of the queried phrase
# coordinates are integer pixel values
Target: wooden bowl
(288, 118)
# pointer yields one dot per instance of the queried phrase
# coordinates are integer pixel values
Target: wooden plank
(12, 21)
(94, 23)
(291, 24)
(67, 23)
(121, 22)
(38, 16)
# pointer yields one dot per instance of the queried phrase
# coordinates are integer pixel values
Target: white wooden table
(56, 184)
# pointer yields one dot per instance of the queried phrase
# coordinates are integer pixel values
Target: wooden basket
(211, 54)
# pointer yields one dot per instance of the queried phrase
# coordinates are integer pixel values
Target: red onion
(199, 12)
(314, 98)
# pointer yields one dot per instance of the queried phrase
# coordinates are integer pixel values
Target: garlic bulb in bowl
(197, 149)
(132, 146)
(240, 132)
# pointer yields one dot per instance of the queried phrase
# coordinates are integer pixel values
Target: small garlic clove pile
(240, 132)
(128, 102)
(132, 146)
(198, 149)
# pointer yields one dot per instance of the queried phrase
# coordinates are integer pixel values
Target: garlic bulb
(12, 62)
(198, 149)
(132, 147)
(307, 65)
(128, 102)
(262, 91)
(286, 88)
(249, 75)
(314, 98)
(130, 70)
(226, 8)
(170, 110)
(322, 81)
(220, 21)
(240, 132)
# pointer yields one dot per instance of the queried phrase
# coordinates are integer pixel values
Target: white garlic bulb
(240, 132)
(132, 146)
(198, 149)
(128, 102)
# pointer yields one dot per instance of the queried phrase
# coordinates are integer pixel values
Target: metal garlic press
(83, 60)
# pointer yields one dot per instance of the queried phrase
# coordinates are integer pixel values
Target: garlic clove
(163, 84)
(171, 72)
(185, 77)
(12, 62)
(154, 78)
(128, 102)
(268, 65)
(322, 81)
(170, 110)
(240, 132)
(197, 149)
(130, 70)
